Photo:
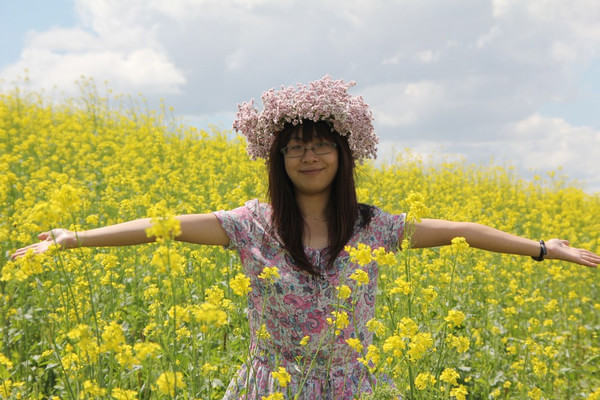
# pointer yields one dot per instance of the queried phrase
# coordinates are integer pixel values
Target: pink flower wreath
(321, 100)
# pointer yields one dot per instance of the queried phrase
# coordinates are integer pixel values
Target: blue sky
(517, 82)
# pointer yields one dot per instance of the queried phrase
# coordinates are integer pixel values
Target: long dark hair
(343, 209)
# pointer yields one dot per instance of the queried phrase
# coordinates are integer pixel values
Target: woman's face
(311, 173)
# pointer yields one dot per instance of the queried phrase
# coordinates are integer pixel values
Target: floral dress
(299, 304)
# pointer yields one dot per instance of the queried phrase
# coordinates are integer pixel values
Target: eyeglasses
(298, 150)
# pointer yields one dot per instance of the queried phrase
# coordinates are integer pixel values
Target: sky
(510, 82)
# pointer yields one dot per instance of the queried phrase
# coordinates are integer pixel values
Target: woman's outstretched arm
(435, 232)
(195, 228)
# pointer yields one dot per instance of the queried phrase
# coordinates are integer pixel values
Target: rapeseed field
(167, 320)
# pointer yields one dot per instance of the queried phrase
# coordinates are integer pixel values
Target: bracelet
(543, 252)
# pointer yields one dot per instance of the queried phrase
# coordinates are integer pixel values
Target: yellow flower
(449, 375)
(460, 392)
(408, 327)
(375, 326)
(423, 380)
(360, 254)
(371, 359)
(304, 340)
(355, 344)
(214, 295)
(460, 343)
(269, 274)
(164, 228)
(262, 332)
(123, 394)
(540, 369)
(5, 361)
(535, 393)
(460, 244)
(394, 344)
(91, 390)
(168, 382)
(416, 207)
(282, 376)
(340, 321)
(343, 292)
(209, 313)
(146, 349)
(401, 286)
(360, 276)
(240, 284)
(595, 395)
(384, 257)
(455, 318)
(273, 396)
(418, 346)
(112, 337)
(207, 368)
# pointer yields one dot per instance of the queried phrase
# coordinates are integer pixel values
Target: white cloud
(402, 104)
(459, 75)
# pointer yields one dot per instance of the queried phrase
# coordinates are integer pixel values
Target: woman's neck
(313, 207)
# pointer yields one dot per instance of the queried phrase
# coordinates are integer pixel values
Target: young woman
(311, 137)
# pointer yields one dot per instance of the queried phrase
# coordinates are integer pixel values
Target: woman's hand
(560, 250)
(62, 237)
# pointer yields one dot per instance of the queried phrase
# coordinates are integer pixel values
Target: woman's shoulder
(379, 218)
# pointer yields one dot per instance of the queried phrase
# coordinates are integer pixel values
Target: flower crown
(322, 100)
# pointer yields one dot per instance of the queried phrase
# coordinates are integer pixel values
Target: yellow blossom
(376, 326)
(455, 318)
(361, 254)
(240, 285)
(164, 228)
(112, 337)
(407, 327)
(449, 375)
(5, 361)
(340, 320)
(123, 394)
(401, 286)
(273, 396)
(360, 276)
(416, 207)
(168, 382)
(460, 392)
(262, 332)
(460, 343)
(460, 244)
(383, 257)
(371, 359)
(214, 295)
(144, 350)
(269, 274)
(423, 380)
(207, 368)
(92, 390)
(355, 344)
(304, 340)
(418, 345)
(282, 376)
(343, 292)
(394, 344)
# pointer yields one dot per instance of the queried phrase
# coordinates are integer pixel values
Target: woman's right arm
(195, 228)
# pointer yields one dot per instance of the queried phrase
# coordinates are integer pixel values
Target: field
(167, 320)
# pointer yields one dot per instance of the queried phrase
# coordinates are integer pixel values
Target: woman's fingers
(37, 248)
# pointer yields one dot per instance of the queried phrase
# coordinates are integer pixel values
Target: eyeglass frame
(330, 145)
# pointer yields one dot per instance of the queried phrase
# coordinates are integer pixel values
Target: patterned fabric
(298, 304)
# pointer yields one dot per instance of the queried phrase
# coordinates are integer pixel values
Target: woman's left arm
(435, 232)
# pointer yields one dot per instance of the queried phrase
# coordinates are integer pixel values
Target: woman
(311, 137)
